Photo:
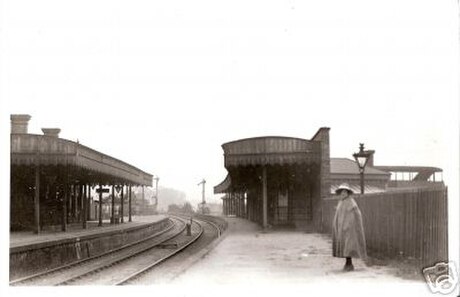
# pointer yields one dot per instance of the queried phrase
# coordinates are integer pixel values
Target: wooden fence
(411, 224)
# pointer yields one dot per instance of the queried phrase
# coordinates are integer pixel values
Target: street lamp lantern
(362, 157)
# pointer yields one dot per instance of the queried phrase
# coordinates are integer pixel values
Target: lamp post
(361, 158)
(156, 179)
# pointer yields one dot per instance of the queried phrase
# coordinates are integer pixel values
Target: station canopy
(84, 162)
(250, 153)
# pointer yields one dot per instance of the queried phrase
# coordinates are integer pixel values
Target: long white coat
(347, 231)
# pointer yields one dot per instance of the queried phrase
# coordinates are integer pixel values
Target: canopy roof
(267, 151)
(31, 150)
(270, 150)
(223, 186)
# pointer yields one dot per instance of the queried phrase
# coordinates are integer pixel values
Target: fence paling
(426, 229)
(445, 233)
(433, 230)
(420, 228)
(440, 229)
(381, 226)
(387, 219)
(410, 223)
(391, 228)
(439, 224)
(409, 246)
(422, 234)
(431, 242)
(405, 227)
(401, 227)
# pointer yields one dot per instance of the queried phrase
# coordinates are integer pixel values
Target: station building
(52, 180)
(281, 181)
(277, 181)
(344, 170)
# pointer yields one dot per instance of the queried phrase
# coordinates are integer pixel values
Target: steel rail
(112, 263)
(219, 231)
(202, 218)
(215, 225)
(152, 265)
(80, 262)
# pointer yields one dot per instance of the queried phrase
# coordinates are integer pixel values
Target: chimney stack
(51, 132)
(370, 162)
(19, 123)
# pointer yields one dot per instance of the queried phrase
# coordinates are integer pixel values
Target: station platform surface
(250, 258)
(24, 238)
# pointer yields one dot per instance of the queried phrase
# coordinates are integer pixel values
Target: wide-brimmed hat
(344, 186)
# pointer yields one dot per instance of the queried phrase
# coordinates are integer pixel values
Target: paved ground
(26, 238)
(251, 259)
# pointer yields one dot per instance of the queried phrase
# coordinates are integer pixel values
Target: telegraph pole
(203, 202)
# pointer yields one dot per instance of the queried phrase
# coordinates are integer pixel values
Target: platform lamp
(362, 157)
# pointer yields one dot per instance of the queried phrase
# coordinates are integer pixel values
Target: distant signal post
(203, 201)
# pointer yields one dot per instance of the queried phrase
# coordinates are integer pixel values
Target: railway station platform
(276, 262)
(31, 253)
(28, 238)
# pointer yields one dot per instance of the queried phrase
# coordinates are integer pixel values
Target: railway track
(134, 263)
(167, 271)
(142, 271)
(61, 274)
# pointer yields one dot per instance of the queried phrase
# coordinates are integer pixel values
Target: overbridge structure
(413, 176)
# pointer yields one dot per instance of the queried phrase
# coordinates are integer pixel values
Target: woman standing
(347, 229)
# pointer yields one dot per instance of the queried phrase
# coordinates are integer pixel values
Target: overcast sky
(162, 84)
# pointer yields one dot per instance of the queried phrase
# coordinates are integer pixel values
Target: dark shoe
(348, 267)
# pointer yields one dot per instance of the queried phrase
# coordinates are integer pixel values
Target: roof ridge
(343, 167)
